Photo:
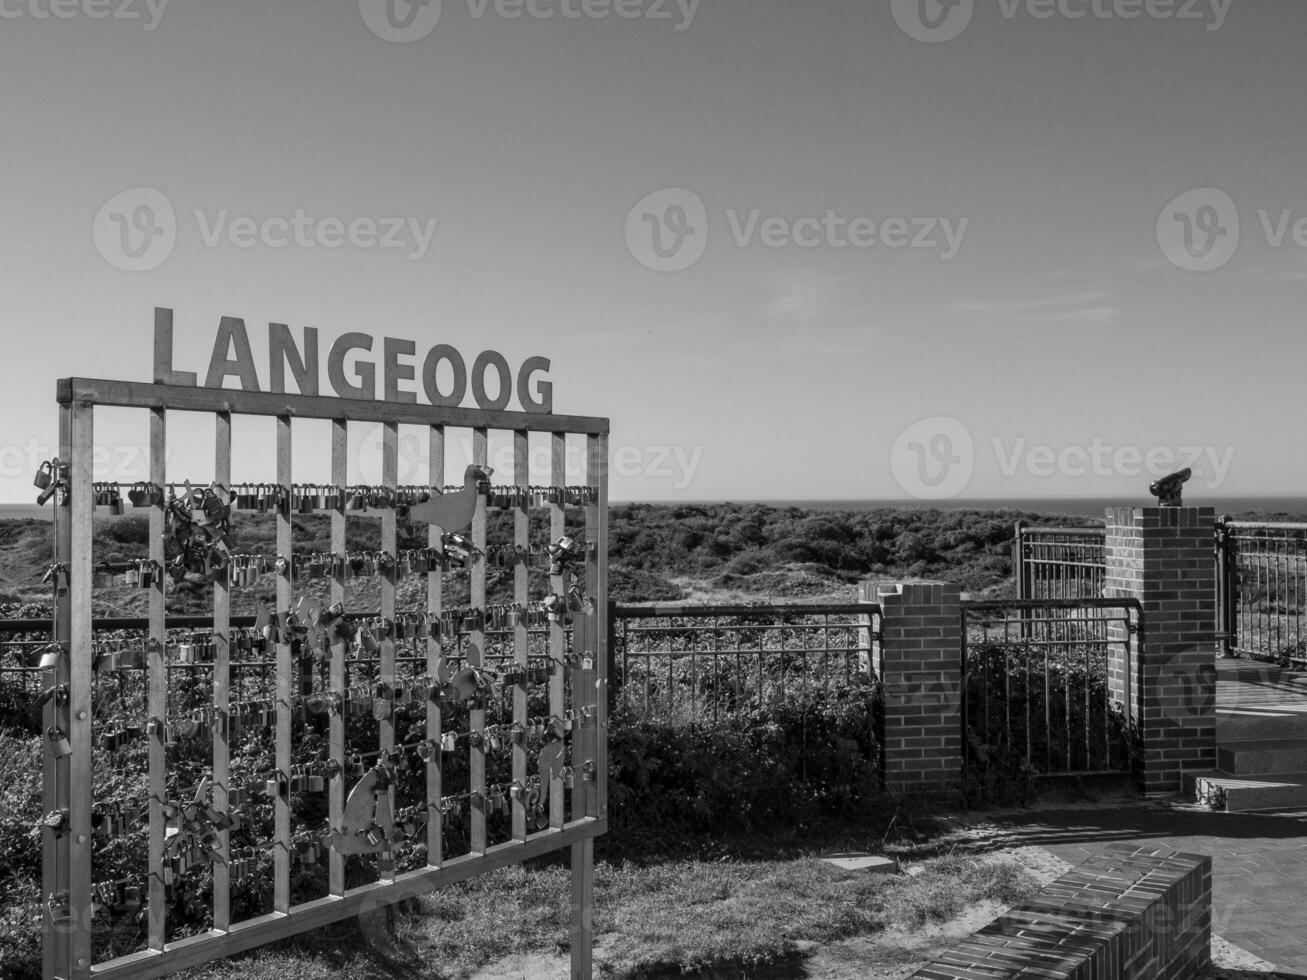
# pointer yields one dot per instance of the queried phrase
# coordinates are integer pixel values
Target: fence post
(921, 674)
(615, 678)
(1225, 589)
(1162, 557)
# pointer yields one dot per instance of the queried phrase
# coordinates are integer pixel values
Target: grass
(650, 920)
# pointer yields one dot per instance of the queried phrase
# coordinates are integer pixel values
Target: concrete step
(1233, 793)
(1234, 724)
(1262, 757)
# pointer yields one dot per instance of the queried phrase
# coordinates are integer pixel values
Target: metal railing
(1262, 590)
(682, 665)
(1048, 684)
(1058, 562)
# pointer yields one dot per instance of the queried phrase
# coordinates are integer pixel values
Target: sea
(1292, 506)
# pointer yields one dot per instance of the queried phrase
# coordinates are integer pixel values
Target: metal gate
(1049, 684)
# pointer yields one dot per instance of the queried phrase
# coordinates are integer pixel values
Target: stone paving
(1259, 862)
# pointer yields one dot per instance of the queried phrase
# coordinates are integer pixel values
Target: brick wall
(1132, 912)
(1163, 556)
(919, 661)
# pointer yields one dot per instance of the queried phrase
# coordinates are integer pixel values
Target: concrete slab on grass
(858, 861)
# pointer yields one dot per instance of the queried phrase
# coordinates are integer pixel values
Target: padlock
(59, 743)
(50, 658)
(448, 741)
(44, 476)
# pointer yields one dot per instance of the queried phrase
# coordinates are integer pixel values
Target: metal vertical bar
(1222, 585)
(584, 682)
(521, 638)
(78, 765)
(386, 670)
(557, 632)
(476, 651)
(222, 690)
(435, 583)
(596, 522)
(337, 720)
(285, 669)
(55, 774)
(1088, 712)
(158, 682)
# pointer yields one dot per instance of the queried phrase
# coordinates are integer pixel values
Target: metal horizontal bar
(978, 605)
(125, 394)
(1263, 526)
(735, 612)
(243, 936)
(1088, 530)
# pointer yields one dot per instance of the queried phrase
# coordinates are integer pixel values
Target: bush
(767, 767)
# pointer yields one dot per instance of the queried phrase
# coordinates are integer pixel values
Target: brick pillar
(1163, 556)
(920, 665)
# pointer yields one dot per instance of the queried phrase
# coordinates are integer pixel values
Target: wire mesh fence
(1048, 684)
(686, 665)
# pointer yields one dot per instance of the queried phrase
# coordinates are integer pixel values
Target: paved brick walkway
(1259, 863)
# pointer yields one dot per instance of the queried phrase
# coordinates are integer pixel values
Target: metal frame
(1058, 562)
(68, 854)
(1262, 590)
(1089, 628)
(703, 629)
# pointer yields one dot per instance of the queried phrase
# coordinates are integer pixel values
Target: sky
(901, 249)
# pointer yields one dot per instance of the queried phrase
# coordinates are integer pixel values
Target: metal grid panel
(684, 665)
(1049, 684)
(1263, 590)
(69, 855)
(1059, 562)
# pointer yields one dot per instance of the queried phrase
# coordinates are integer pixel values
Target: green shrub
(783, 765)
